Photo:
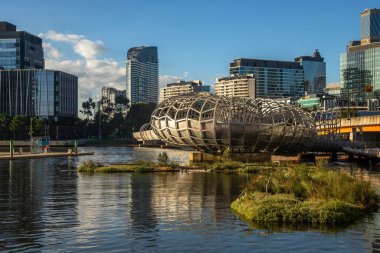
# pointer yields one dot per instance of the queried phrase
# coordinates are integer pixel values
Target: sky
(196, 39)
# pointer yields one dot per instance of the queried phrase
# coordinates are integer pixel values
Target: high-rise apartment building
(235, 86)
(273, 79)
(314, 71)
(19, 49)
(37, 92)
(142, 75)
(114, 98)
(182, 87)
(111, 94)
(360, 64)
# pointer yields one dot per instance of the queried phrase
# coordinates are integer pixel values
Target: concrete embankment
(7, 156)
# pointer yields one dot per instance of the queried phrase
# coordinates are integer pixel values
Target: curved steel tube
(213, 123)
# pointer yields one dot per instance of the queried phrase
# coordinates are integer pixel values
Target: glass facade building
(360, 64)
(370, 24)
(36, 92)
(142, 75)
(273, 79)
(315, 72)
(358, 70)
(19, 49)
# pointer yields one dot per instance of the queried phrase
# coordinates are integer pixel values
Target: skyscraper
(19, 49)
(142, 75)
(273, 79)
(370, 25)
(360, 64)
(315, 72)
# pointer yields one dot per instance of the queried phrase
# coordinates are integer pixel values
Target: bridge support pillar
(334, 156)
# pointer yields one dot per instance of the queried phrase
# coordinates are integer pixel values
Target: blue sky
(196, 39)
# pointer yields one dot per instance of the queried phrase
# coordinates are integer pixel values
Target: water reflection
(37, 202)
(133, 154)
(45, 205)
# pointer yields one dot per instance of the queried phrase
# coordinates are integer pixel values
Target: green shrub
(305, 194)
(137, 168)
(163, 159)
(286, 209)
(226, 154)
(226, 165)
(87, 166)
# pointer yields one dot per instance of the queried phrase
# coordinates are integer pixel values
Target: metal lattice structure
(328, 123)
(213, 123)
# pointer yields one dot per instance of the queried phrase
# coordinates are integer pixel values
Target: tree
(121, 103)
(88, 108)
(163, 159)
(18, 124)
(36, 126)
(3, 124)
(138, 115)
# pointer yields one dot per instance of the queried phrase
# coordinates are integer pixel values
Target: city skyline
(195, 40)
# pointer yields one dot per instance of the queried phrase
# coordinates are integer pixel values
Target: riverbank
(309, 195)
(17, 156)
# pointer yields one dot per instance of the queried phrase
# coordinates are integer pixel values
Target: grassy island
(314, 195)
(91, 167)
(163, 165)
(144, 166)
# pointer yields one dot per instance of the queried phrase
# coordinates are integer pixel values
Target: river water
(46, 206)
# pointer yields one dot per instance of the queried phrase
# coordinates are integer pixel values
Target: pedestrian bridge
(211, 124)
(366, 124)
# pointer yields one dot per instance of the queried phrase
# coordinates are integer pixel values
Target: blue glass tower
(273, 79)
(315, 72)
(359, 66)
(370, 25)
(19, 49)
(142, 75)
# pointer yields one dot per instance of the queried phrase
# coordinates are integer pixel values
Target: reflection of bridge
(244, 125)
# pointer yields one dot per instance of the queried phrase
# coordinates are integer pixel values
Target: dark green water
(46, 206)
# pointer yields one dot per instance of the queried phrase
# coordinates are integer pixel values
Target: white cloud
(92, 70)
(89, 49)
(55, 36)
(51, 51)
(165, 79)
(86, 48)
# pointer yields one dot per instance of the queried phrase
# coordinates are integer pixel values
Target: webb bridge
(212, 124)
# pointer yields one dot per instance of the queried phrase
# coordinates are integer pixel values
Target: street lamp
(348, 103)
